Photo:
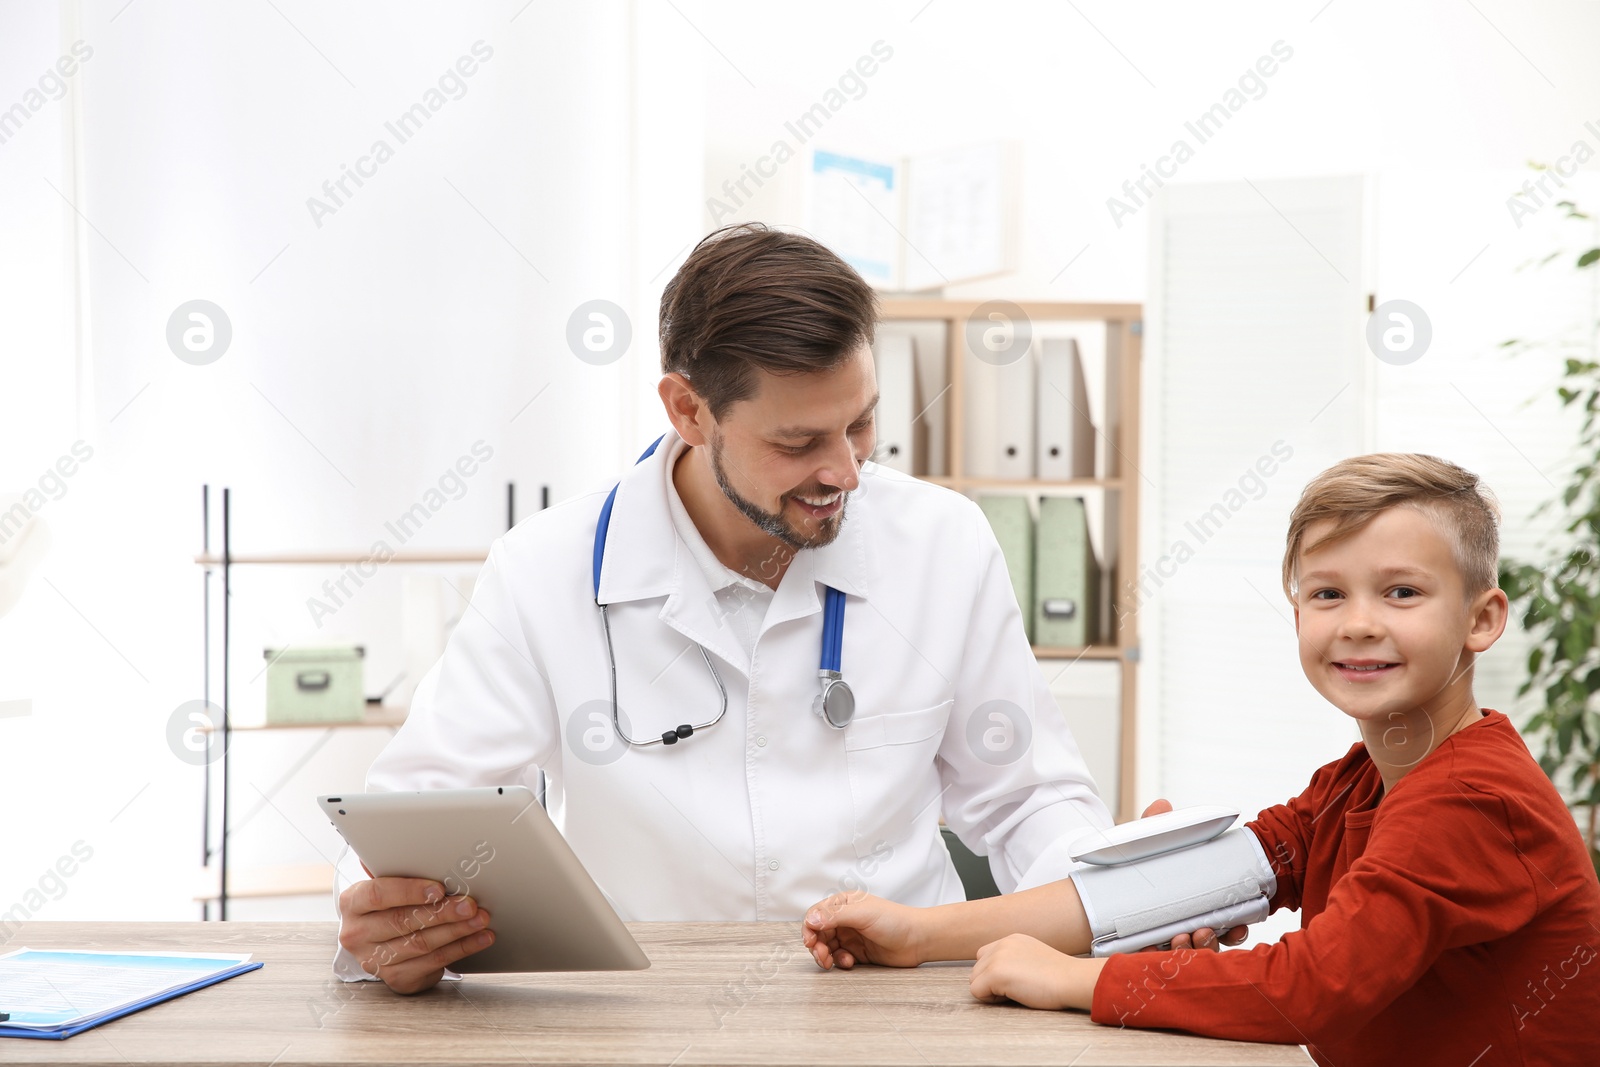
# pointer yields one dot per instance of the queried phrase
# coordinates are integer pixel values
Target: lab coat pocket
(893, 779)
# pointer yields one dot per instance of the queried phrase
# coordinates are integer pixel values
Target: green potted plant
(1558, 597)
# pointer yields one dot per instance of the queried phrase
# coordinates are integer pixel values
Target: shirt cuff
(1053, 865)
(347, 968)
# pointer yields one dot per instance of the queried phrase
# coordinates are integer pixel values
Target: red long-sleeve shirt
(1457, 922)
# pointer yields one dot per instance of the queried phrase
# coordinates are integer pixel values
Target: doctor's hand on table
(851, 928)
(406, 931)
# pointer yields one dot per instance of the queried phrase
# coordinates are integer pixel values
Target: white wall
(589, 141)
(1441, 104)
(368, 354)
(1096, 91)
(1256, 350)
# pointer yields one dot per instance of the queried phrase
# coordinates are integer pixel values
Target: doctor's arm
(485, 714)
(1016, 788)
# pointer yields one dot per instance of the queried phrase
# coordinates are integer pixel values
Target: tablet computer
(496, 845)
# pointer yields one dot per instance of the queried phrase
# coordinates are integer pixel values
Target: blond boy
(1450, 911)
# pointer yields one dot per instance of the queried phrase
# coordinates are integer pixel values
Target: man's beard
(773, 523)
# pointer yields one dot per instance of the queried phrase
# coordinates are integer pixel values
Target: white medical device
(1152, 879)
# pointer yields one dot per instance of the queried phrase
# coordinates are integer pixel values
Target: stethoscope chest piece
(836, 703)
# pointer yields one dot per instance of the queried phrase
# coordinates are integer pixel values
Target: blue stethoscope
(836, 703)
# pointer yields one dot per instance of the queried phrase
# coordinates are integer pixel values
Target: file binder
(896, 357)
(1066, 594)
(1000, 405)
(1065, 432)
(1011, 518)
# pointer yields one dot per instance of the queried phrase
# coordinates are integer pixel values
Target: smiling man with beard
(757, 668)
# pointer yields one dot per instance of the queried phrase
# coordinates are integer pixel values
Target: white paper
(957, 216)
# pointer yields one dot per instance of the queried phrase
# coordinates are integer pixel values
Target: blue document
(55, 994)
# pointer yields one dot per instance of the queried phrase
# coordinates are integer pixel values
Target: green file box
(316, 685)
(1012, 521)
(1066, 593)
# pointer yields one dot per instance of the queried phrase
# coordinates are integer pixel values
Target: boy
(1450, 911)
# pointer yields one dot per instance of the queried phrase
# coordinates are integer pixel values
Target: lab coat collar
(640, 566)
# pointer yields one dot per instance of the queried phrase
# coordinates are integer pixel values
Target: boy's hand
(851, 928)
(1030, 972)
(1204, 938)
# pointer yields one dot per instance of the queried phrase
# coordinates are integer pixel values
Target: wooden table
(716, 993)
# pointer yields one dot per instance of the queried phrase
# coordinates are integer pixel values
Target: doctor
(714, 782)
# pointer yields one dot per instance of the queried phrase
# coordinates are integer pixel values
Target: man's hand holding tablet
(408, 930)
(445, 859)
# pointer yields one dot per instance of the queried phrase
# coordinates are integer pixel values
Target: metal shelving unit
(220, 882)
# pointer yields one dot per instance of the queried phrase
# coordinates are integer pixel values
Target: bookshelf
(1119, 481)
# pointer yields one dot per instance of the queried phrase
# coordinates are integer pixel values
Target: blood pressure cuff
(1221, 883)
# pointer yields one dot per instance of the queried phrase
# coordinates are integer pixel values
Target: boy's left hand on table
(1030, 972)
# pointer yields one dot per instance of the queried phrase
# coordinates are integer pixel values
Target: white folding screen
(1255, 353)
(1253, 370)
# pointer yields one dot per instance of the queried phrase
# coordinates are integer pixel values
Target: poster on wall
(854, 208)
(921, 222)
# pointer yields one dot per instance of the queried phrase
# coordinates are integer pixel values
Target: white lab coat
(771, 810)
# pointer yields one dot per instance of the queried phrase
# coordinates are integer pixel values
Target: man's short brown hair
(1356, 491)
(751, 297)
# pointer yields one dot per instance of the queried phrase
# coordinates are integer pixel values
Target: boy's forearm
(1052, 913)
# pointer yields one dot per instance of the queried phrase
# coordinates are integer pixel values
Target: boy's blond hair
(1355, 491)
